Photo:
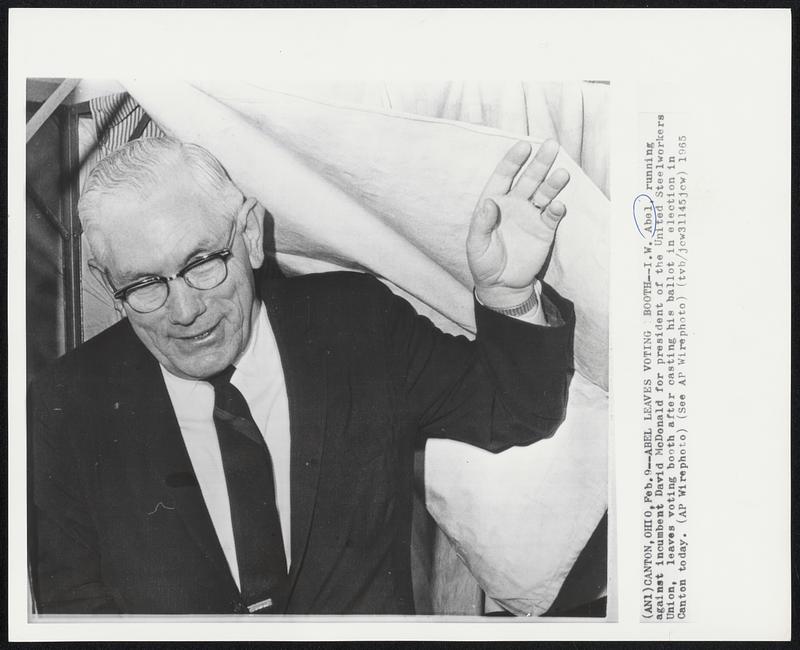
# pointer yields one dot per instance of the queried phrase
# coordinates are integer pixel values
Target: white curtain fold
(387, 192)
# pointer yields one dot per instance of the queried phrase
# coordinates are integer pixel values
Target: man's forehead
(158, 234)
(175, 198)
(130, 256)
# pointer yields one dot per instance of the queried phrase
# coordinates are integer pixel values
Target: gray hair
(142, 165)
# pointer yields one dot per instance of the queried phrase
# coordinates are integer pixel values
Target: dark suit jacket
(119, 523)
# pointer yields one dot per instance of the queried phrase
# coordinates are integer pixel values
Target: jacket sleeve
(65, 563)
(507, 387)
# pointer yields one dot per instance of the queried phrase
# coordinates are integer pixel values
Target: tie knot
(222, 379)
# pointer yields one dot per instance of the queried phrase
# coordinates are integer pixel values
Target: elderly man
(219, 452)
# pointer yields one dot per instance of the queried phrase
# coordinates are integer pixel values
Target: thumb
(485, 219)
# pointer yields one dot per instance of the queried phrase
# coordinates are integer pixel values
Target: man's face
(196, 333)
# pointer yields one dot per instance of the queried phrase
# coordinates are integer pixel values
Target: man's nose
(184, 304)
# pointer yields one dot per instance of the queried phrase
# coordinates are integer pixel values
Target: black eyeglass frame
(223, 253)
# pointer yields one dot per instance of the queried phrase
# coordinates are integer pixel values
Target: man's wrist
(511, 302)
(531, 305)
(529, 311)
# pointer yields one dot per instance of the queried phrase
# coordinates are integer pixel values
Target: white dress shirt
(259, 377)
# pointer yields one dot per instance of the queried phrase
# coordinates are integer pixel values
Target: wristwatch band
(523, 308)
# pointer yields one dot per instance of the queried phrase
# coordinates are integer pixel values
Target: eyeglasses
(205, 272)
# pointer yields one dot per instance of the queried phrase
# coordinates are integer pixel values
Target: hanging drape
(383, 178)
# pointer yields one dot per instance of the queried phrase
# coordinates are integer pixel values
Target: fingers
(549, 190)
(537, 170)
(554, 213)
(507, 169)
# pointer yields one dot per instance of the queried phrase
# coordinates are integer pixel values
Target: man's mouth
(201, 336)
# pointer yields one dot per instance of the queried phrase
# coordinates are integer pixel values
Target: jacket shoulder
(336, 291)
(92, 361)
(336, 306)
(335, 282)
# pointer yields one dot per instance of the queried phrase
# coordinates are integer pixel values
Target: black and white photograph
(399, 325)
(318, 349)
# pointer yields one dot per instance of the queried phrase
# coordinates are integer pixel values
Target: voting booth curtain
(383, 178)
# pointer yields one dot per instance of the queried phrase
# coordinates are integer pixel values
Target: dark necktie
(251, 491)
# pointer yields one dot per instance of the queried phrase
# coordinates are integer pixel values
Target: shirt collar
(250, 366)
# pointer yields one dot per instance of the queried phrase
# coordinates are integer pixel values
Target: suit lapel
(304, 367)
(152, 421)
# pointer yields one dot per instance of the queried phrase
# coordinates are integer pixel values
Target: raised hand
(513, 228)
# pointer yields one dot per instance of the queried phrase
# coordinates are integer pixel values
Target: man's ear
(253, 231)
(99, 275)
(102, 279)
